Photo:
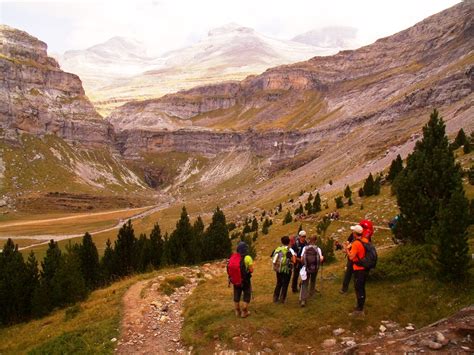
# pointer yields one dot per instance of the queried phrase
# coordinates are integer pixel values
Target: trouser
(281, 288)
(360, 276)
(347, 275)
(308, 286)
(296, 274)
(245, 289)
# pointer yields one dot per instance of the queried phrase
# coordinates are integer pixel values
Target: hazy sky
(169, 24)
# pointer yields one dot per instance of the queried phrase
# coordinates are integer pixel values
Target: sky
(164, 25)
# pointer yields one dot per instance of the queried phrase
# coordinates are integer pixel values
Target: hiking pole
(321, 288)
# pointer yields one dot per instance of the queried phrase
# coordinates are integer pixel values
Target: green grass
(169, 285)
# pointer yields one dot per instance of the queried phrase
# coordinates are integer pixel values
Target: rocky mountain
(342, 37)
(37, 97)
(118, 71)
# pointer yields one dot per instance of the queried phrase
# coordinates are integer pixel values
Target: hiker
(355, 253)
(298, 249)
(245, 287)
(311, 258)
(283, 259)
(368, 231)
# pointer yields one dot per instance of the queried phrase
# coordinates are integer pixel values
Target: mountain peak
(229, 28)
(120, 46)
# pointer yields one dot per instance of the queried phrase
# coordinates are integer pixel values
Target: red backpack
(234, 269)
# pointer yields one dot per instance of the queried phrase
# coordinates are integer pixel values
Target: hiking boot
(357, 313)
(303, 303)
(245, 311)
(237, 309)
(342, 292)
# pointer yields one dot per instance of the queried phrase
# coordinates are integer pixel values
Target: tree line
(31, 289)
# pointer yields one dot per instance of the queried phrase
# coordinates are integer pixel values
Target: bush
(404, 262)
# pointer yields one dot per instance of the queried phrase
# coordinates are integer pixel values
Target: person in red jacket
(356, 253)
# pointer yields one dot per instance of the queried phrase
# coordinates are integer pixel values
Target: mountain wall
(37, 97)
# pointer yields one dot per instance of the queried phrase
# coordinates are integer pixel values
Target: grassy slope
(419, 301)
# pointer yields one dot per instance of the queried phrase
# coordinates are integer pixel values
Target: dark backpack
(369, 261)
(236, 270)
(311, 259)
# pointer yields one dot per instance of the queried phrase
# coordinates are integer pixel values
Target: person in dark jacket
(298, 249)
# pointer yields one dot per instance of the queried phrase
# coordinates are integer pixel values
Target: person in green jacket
(283, 259)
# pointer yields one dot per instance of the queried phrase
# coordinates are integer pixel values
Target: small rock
(351, 343)
(382, 328)
(346, 339)
(338, 331)
(113, 340)
(431, 344)
(465, 348)
(440, 338)
(410, 327)
(278, 346)
(410, 342)
(329, 343)
(267, 350)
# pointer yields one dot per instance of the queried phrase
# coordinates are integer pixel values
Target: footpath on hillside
(152, 321)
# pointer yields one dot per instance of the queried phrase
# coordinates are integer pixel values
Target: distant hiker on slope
(368, 231)
(283, 259)
(311, 258)
(298, 249)
(240, 269)
(355, 253)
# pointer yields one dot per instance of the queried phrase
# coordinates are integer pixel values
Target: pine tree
(32, 282)
(299, 210)
(317, 203)
(428, 181)
(339, 203)
(15, 302)
(181, 240)
(108, 264)
(467, 147)
(166, 256)
(377, 185)
(280, 207)
(198, 240)
(89, 262)
(450, 236)
(470, 175)
(369, 185)
(254, 225)
(347, 192)
(142, 254)
(246, 228)
(471, 212)
(124, 249)
(216, 237)
(395, 168)
(68, 285)
(156, 246)
(361, 192)
(288, 218)
(266, 225)
(349, 202)
(460, 139)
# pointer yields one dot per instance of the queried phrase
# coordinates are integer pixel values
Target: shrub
(171, 283)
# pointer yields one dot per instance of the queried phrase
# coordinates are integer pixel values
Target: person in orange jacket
(355, 253)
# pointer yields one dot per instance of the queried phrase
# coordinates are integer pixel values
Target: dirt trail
(152, 321)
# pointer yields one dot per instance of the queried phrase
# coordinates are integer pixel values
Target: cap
(357, 228)
(302, 234)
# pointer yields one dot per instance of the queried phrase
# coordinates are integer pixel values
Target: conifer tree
(142, 254)
(339, 203)
(450, 236)
(32, 282)
(467, 147)
(89, 262)
(198, 240)
(216, 237)
(108, 264)
(280, 207)
(166, 256)
(68, 285)
(299, 210)
(349, 202)
(288, 218)
(471, 212)
(395, 168)
(181, 240)
(251, 251)
(254, 225)
(156, 246)
(369, 185)
(15, 302)
(347, 192)
(460, 139)
(361, 192)
(426, 183)
(246, 228)
(265, 226)
(377, 185)
(317, 203)
(125, 249)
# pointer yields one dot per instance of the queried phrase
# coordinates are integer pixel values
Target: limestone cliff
(37, 97)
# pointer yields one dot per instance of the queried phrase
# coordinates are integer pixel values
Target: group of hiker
(298, 260)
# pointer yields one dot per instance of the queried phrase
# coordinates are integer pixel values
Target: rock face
(37, 97)
(390, 86)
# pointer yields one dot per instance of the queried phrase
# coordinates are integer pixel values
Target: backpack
(281, 260)
(311, 259)
(369, 261)
(234, 269)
